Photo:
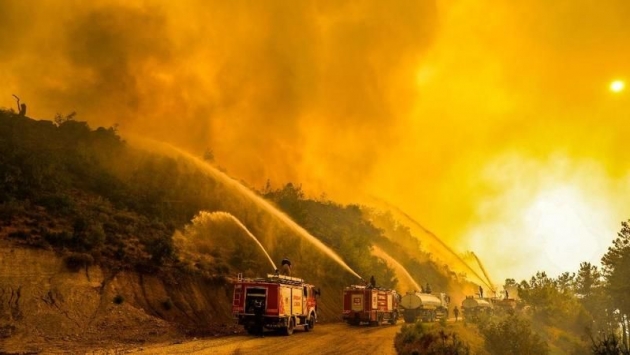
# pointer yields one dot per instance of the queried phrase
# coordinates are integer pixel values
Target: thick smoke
(421, 102)
(290, 91)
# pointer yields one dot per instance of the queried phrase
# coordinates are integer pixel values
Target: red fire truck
(288, 302)
(371, 305)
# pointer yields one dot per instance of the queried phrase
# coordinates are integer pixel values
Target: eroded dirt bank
(44, 306)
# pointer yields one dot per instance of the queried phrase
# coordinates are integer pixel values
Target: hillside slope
(101, 241)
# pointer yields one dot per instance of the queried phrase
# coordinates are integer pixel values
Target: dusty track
(337, 338)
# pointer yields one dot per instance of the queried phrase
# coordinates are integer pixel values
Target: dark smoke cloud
(251, 81)
(415, 101)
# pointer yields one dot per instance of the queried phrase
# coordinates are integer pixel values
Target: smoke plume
(429, 104)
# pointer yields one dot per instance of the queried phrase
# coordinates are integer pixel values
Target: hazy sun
(617, 86)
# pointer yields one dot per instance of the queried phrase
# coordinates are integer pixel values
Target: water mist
(220, 215)
(483, 269)
(441, 243)
(397, 266)
(238, 187)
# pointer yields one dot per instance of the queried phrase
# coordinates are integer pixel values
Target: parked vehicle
(370, 305)
(287, 302)
(424, 306)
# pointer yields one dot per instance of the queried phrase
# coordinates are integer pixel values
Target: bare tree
(21, 107)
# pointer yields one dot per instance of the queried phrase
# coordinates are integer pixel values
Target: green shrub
(88, 234)
(512, 335)
(59, 239)
(222, 269)
(19, 235)
(160, 248)
(609, 345)
(56, 203)
(77, 261)
(94, 237)
(420, 339)
(10, 209)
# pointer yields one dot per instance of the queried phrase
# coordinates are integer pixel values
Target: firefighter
(372, 282)
(456, 312)
(286, 266)
(480, 292)
(258, 318)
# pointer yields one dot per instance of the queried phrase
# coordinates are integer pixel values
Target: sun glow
(617, 86)
(560, 220)
(545, 215)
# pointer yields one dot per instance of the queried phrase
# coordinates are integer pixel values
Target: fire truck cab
(371, 305)
(288, 302)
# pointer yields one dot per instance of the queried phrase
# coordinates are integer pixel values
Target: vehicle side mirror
(318, 292)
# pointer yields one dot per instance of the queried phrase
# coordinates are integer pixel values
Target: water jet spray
(483, 269)
(436, 238)
(220, 176)
(229, 216)
(382, 254)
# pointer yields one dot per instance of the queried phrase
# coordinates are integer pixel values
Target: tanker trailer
(473, 307)
(424, 306)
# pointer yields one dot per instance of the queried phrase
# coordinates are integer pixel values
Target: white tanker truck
(473, 306)
(424, 306)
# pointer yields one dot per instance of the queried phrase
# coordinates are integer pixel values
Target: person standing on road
(259, 323)
(456, 312)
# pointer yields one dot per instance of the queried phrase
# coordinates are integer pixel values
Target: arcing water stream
(397, 266)
(228, 181)
(227, 216)
(483, 269)
(485, 281)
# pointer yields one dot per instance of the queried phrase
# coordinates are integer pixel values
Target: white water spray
(218, 175)
(220, 215)
(382, 254)
(440, 242)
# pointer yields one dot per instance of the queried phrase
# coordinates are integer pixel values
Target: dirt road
(337, 338)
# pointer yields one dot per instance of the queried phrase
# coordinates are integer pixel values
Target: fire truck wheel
(310, 323)
(289, 330)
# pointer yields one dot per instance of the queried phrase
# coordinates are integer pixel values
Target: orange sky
(492, 124)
